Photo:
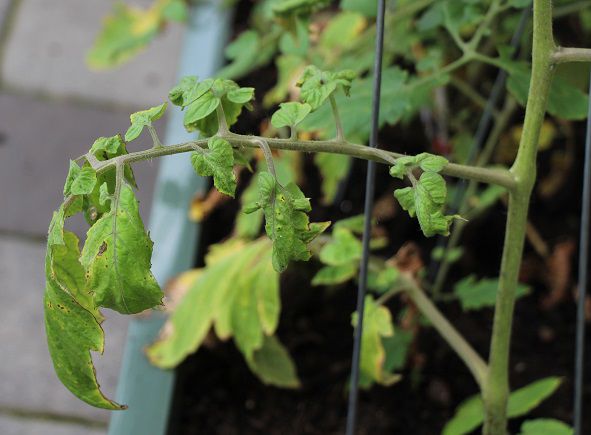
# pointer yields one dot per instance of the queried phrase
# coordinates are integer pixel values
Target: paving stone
(19, 426)
(28, 379)
(46, 49)
(36, 140)
(4, 5)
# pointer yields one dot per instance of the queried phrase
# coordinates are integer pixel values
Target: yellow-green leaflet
(116, 257)
(237, 293)
(71, 320)
(376, 326)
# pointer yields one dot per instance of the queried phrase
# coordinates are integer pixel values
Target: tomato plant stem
(458, 343)
(496, 390)
(501, 177)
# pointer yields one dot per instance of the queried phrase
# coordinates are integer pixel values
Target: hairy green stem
(568, 54)
(501, 177)
(155, 138)
(496, 389)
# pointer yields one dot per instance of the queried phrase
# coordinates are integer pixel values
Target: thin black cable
(369, 200)
(583, 264)
(483, 128)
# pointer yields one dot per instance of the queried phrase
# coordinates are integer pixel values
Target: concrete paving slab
(18, 426)
(37, 139)
(4, 5)
(46, 49)
(28, 380)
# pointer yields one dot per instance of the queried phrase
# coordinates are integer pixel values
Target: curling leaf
(217, 161)
(317, 85)
(286, 221)
(144, 118)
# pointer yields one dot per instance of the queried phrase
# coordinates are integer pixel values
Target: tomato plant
(237, 292)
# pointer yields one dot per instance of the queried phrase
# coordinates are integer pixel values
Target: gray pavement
(46, 48)
(51, 109)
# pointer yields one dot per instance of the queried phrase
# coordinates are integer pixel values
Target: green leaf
(290, 114)
(141, 119)
(55, 235)
(406, 199)
(430, 195)
(317, 85)
(241, 95)
(84, 182)
(201, 99)
(402, 166)
(527, 398)
(200, 108)
(342, 249)
(116, 257)
(333, 275)
(520, 3)
(400, 97)
(397, 347)
(426, 199)
(286, 221)
(104, 194)
(470, 414)
(545, 426)
(273, 365)
(383, 279)
(475, 294)
(107, 147)
(73, 172)
(431, 162)
(247, 53)
(377, 324)
(355, 224)
(288, 8)
(218, 162)
(440, 253)
(369, 9)
(565, 100)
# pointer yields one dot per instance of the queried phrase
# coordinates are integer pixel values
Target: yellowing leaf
(238, 294)
(377, 324)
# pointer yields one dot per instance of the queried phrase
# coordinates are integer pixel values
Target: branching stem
(567, 54)
(458, 343)
(501, 177)
(155, 138)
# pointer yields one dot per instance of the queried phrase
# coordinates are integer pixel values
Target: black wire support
(583, 264)
(369, 201)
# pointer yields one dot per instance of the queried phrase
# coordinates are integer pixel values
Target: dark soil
(217, 394)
